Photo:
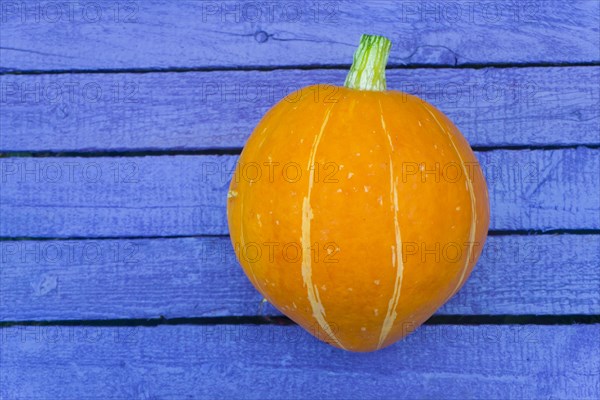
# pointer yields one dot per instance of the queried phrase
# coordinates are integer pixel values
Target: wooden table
(122, 121)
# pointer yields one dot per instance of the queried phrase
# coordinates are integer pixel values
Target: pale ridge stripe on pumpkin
(307, 215)
(473, 205)
(397, 261)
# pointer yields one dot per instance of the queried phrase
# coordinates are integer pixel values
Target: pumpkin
(357, 211)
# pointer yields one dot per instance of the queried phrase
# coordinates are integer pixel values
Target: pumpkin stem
(368, 69)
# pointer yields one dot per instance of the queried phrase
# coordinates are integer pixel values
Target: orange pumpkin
(357, 211)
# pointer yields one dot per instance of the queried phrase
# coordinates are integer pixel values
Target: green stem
(368, 69)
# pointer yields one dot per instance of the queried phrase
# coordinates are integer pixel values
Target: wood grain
(200, 277)
(186, 195)
(274, 362)
(193, 34)
(207, 110)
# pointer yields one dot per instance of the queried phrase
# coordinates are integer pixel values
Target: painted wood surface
(207, 110)
(193, 34)
(274, 362)
(186, 195)
(200, 277)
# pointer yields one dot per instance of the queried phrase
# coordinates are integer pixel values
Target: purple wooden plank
(274, 362)
(162, 111)
(185, 195)
(132, 196)
(200, 277)
(50, 35)
(528, 191)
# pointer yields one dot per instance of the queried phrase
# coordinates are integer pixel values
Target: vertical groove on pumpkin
(307, 215)
(397, 262)
(242, 240)
(471, 191)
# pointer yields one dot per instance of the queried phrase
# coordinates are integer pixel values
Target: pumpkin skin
(379, 236)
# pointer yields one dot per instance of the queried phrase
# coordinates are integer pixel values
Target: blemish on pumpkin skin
(350, 175)
(366, 188)
(259, 221)
(380, 200)
(363, 329)
(376, 311)
(339, 190)
(377, 282)
(232, 194)
(458, 208)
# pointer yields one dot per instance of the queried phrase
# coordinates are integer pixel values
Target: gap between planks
(491, 232)
(265, 68)
(531, 319)
(234, 151)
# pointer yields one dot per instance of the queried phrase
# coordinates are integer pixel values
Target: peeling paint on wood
(194, 34)
(200, 277)
(186, 195)
(274, 362)
(207, 110)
